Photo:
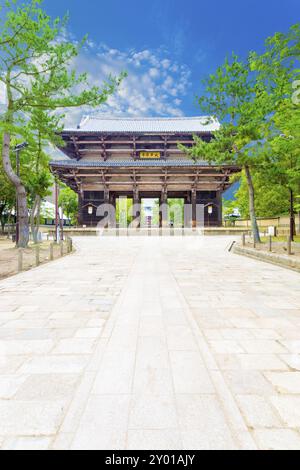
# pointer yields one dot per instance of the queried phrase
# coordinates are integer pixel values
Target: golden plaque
(150, 155)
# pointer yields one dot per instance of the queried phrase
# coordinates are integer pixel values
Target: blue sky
(167, 46)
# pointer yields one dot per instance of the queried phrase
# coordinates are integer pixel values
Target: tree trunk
(32, 218)
(35, 218)
(255, 230)
(292, 216)
(21, 193)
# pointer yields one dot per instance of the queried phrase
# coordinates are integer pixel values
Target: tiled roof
(125, 163)
(199, 124)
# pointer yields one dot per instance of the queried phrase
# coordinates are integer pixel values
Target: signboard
(149, 155)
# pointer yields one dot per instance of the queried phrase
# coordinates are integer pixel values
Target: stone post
(20, 260)
(37, 255)
(270, 243)
(51, 251)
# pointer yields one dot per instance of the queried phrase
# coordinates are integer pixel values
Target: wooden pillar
(219, 207)
(106, 201)
(187, 210)
(194, 208)
(137, 204)
(163, 212)
(113, 215)
(80, 208)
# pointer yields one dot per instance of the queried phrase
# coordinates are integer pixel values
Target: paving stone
(152, 412)
(88, 333)
(202, 413)
(9, 384)
(47, 387)
(10, 364)
(292, 346)
(258, 412)
(30, 418)
(151, 326)
(103, 424)
(277, 439)
(68, 364)
(263, 347)
(226, 347)
(288, 407)
(180, 338)
(149, 439)
(189, 373)
(27, 443)
(285, 382)
(248, 382)
(153, 381)
(21, 347)
(212, 439)
(158, 342)
(74, 346)
(115, 374)
(292, 360)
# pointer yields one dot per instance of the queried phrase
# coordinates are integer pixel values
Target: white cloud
(155, 84)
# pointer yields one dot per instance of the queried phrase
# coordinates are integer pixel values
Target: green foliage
(234, 97)
(39, 184)
(176, 208)
(228, 206)
(124, 211)
(68, 201)
(260, 118)
(271, 199)
(35, 64)
(278, 70)
(35, 68)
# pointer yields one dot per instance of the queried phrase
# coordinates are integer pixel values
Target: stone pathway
(150, 343)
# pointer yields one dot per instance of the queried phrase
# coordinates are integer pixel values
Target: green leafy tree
(271, 198)
(176, 211)
(68, 201)
(124, 207)
(278, 70)
(35, 69)
(40, 130)
(229, 207)
(39, 187)
(234, 97)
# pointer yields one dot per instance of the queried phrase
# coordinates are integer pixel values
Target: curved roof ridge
(184, 124)
(146, 118)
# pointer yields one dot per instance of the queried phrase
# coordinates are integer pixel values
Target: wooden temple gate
(140, 158)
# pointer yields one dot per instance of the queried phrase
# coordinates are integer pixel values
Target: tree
(35, 69)
(234, 97)
(271, 197)
(41, 130)
(277, 72)
(7, 198)
(68, 201)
